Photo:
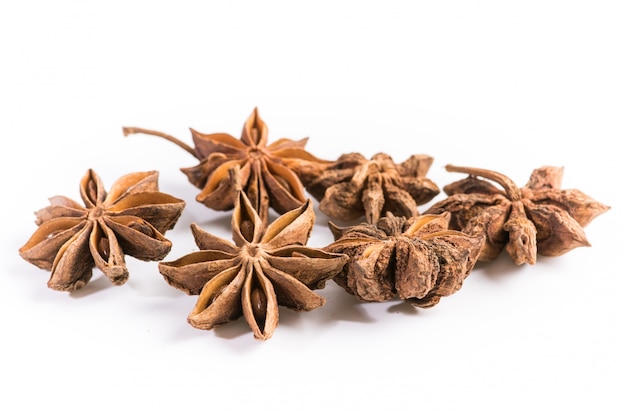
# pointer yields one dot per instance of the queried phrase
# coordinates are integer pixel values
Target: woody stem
(183, 145)
(509, 186)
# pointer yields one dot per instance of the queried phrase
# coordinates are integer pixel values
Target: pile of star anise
(384, 249)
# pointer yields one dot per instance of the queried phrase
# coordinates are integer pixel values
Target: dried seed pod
(538, 218)
(354, 186)
(129, 219)
(418, 259)
(267, 266)
(266, 169)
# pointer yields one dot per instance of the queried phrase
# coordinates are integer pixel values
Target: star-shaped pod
(538, 218)
(129, 219)
(418, 259)
(266, 169)
(267, 266)
(354, 186)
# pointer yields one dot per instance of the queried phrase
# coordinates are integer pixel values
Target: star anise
(418, 259)
(266, 169)
(267, 266)
(538, 218)
(354, 186)
(129, 219)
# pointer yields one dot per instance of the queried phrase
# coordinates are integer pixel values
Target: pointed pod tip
(195, 228)
(67, 287)
(307, 204)
(118, 275)
(336, 231)
(263, 336)
(195, 321)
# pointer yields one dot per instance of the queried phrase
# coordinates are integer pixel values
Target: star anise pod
(418, 259)
(354, 186)
(71, 239)
(538, 218)
(267, 266)
(266, 169)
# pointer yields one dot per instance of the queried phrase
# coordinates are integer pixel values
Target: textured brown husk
(538, 218)
(265, 267)
(128, 220)
(354, 186)
(267, 174)
(417, 259)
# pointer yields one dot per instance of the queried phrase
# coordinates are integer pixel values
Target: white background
(507, 86)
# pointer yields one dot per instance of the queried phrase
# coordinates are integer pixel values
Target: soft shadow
(404, 308)
(289, 317)
(233, 329)
(547, 261)
(342, 306)
(238, 336)
(501, 267)
(174, 312)
(235, 336)
(93, 286)
(185, 332)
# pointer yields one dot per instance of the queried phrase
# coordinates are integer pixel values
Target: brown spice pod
(266, 169)
(129, 219)
(354, 186)
(538, 218)
(267, 266)
(417, 259)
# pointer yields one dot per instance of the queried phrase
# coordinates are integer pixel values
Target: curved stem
(509, 185)
(183, 145)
